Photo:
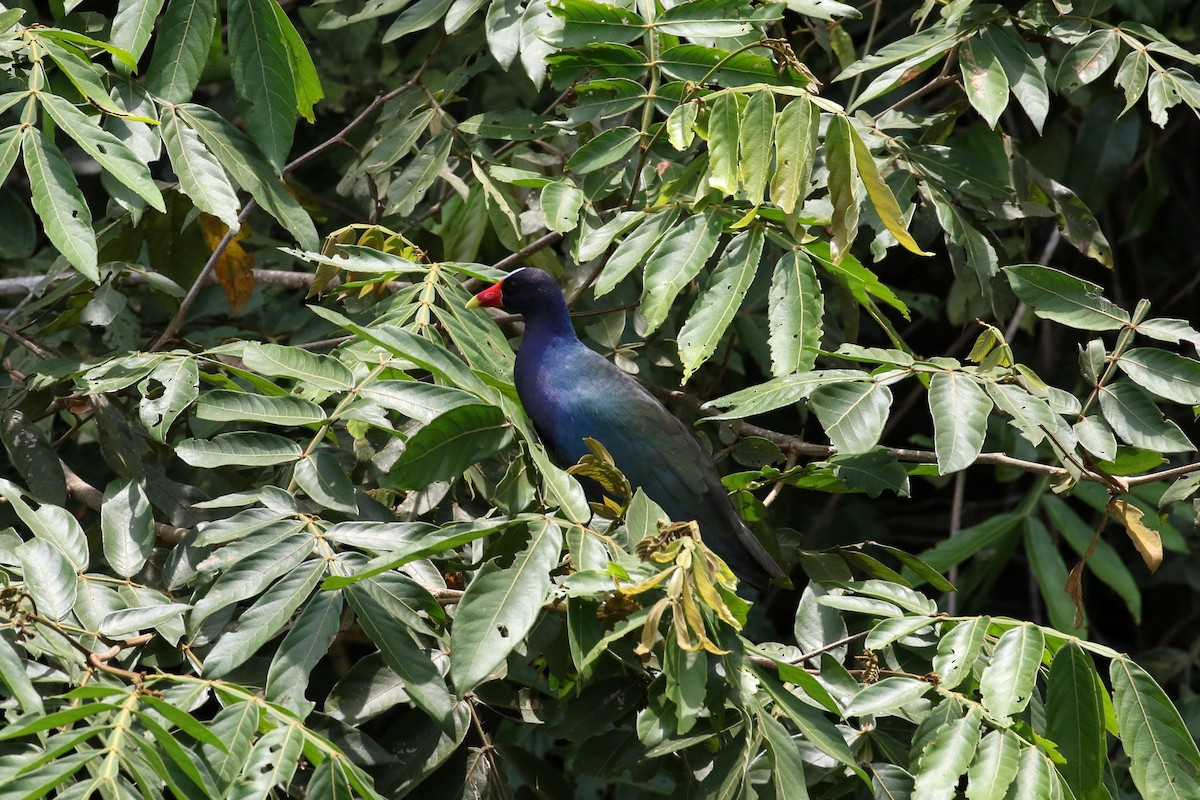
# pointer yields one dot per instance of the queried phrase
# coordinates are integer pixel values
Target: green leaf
(677, 259)
(500, 607)
(604, 150)
(1132, 75)
(423, 402)
(306, 643)
(970, 541)
(49, 578)
(852, 414)
(721, 300)
(699, 64)
(946, 758)
(10, 147)
(1050, 571)
(681, 124)
(127, 527)
(1163, 373)
(994, 767)
(586, 21)
(251, 574)
(843, 186)
(133, 24)
(1027, 413)
(419, 174)
(888, 694)
(108, 151)
(984, 78)
(723, 144)
(1088, 59)
(128, 621)
(176, 384)
(781, 392)
(1063, 298)
(58, 719)
(632, 251)
(271, 763)
(561, 202)
(1025, 67)
(1170, 330)
(881, 195)
(312, 369)
(788, 768)
(958, 651)
(1075, 719)
(324, 480)
(1165, 761)
(1035, 776)
(1008, 680)
(14, 676)
(818, 730)
(1136, 419)
(262, 74)
(85, 76)
(223, 405)
(304, 72)
(245, 164)
(181, 49)
(716, 19)
(417, 17)
(59, 203)
(796, 314)
(242, 449)
(450, 444)
(264, 619)
(795, 152)
(35, 460)
(201, 176)
(960, 409)
(50, 523)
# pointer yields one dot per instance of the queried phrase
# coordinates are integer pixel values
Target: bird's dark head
(523, 291)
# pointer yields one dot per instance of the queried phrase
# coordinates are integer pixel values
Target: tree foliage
(277, 524)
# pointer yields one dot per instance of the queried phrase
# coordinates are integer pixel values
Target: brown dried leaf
(235, 266)
(1147, 541)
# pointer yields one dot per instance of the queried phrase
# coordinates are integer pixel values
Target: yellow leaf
(1147, 541)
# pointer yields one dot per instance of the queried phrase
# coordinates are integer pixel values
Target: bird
(571, 392)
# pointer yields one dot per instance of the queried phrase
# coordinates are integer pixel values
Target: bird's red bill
(491, 297)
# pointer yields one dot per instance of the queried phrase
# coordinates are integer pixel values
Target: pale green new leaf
(241, 449)
(223, 405)
(1163, 373)
(561, 202)
(127, 527)
(723, 144)
(755, 137)
(201, 176)
(796, 314)
(1075, 719)
(181, 49)
(946, 758)
(843, 186)
(994, 767)
(960, 410)
(677, 259)
(501, 606)
(59, 203)
(1063, 298)
(853, 414)
(795, 151)
(262, 74)
(680, 125)
(720, 300)
(1008, 680)
(881, 195)
(1136, 419)
(1027, 413)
